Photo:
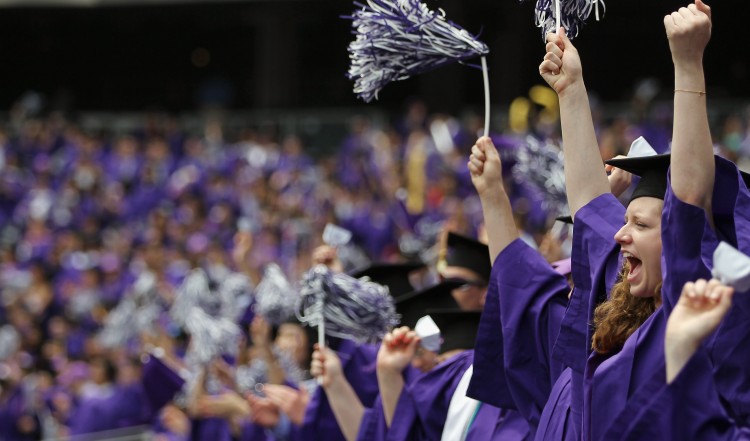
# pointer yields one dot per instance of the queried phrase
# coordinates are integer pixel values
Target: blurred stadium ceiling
(98, 3)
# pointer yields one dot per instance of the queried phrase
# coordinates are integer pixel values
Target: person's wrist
(692, 65)
(389, 370)
(573, 90)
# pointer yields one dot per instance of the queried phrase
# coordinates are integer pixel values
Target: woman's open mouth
(635, 265)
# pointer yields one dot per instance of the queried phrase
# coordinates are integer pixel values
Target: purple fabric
(557, 421)
(527, 297)
(533, 298)
(214, 429)
(160, 384)
(488, 382)
(595, 265)
(613, 382)
(124, 408)
(689, 408)
(423, 407)
(11, 409)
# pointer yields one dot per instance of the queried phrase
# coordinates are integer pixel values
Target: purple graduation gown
(358, 363)
(126, 407)
(595, 266)
(709, 398)
(423, 407)
(689, 408)
(686, 240)
(532, 301)
(160, 384)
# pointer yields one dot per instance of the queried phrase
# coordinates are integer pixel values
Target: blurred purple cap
(160, 383)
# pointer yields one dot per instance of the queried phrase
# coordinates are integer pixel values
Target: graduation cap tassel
(397, 39)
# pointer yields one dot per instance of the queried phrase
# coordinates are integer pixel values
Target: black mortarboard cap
(565, 219)
(457, 328)
(652, 171)
(413, 306)
(468, 253)
(393, 275)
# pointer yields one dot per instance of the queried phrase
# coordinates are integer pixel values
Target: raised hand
(398, 350)
(698, 313)
(291, 401)
(263, 411)
(328, 256)
(619, 179)
(485, 166)
(688, 31)
(326, 366)
(561, 67)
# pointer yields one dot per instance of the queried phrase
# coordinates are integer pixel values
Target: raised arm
(698, 313)
(487, 176)
(395, 354)
(692, 176)
(585, 178)
(344, 402)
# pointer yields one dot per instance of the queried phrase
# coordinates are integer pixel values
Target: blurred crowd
(83, 215)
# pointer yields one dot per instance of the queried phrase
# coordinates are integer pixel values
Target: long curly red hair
(618, 317)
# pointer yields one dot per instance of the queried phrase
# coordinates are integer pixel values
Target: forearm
(677, 353)
(499, 222)
(585, 178)
(692, 148)
(346, 407)
(391, 385)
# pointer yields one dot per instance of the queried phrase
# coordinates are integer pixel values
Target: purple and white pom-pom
(275, 298)
(190, 294)
(573, 15)
(236, 295)
(355, 309)
(397, 39)
(135, 314)
(200, 312)
(210, 336)
(10, 342)
(539, 165)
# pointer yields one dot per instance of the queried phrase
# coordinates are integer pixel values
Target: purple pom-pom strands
(275, 298)
(342, 306)
(570, 14)
(539, 164)
(397, 39)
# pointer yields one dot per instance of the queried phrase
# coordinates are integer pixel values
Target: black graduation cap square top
(413, 306)
(468, 253)
(393, 275)
(652, 171)
(458, 328)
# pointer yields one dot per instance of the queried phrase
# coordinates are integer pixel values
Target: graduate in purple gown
(685, 403)
(628, 335)
(434, 406)
(358, 366)
(528, 296)
(356, 420)
(709, 194)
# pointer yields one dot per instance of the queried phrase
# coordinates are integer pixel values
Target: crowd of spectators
(83, 214)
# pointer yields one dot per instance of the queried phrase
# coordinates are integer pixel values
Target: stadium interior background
(283, 62)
